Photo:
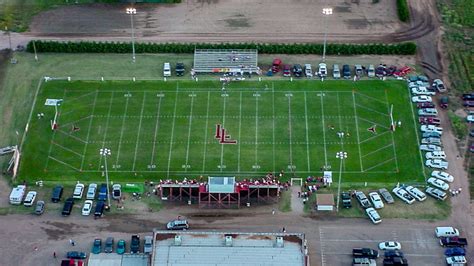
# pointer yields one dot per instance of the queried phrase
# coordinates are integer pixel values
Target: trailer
(17, 194)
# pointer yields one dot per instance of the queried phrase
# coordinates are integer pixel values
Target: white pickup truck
(17, 195)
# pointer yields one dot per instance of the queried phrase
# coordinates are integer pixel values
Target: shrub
(459, 125)
(403, 12)
(407, 48)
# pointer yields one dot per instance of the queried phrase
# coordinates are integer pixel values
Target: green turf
(162, 129)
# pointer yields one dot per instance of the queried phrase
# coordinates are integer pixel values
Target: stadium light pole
(132, 11)
(340, 155)
(326, 12)
(106, 152)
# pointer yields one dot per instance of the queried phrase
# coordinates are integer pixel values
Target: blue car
(97, 246)
(455, 252)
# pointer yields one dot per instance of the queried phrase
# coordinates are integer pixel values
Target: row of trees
(406, 48)
(403, 12)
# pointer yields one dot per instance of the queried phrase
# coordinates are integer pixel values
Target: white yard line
(63, 163)
(393, 138)
(138, 134)
(375, 136)
(172, 132)
(71, 136)
(415, 126)
(307, 133)
(377, 150)
(374, 123)
(273, 129)
(106, 127)
(379, 164)
(157, 126)
(290, 134)
(256, 131)
(88, 131)
(324, 130)
(372, 110)
(369, 97)
(253, 173)
(121, 131)
(67, 149)
(222, 146)
(240, 131)
(357, 131)
(206, 132)
(189, 134)
(54, 131)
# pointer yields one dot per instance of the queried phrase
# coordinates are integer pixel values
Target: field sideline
(159, 129)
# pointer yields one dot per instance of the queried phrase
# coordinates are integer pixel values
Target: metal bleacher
(225, 60)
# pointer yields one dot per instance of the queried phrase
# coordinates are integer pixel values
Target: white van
(17, 194)
(446, 231)
(436, 155)
(166, 70)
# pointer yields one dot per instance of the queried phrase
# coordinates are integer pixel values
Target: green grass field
(158, 129)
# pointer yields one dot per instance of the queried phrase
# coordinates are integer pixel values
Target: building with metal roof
(112, 259)
(229, 249)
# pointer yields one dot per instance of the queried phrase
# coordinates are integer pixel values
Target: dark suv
(68, 207)
(346, 71)
(57, 193)
(180, 69)
(99, 209)
(297, 70)
(346, 200)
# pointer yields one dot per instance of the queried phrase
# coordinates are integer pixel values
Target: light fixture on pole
(326, 12)
(106, 152)
(340, 155)
(132, 11)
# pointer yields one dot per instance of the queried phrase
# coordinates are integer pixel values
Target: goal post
(392, 123)
(54, 123)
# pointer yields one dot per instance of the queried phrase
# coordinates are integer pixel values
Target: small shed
(325, 202)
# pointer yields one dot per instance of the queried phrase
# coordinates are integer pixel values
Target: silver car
(436, 193)
(336, 72)
(371, 71)
(386, 195)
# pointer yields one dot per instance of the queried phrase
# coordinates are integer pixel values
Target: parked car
(429, 121)
(391, 70)
(428, 112)
(57, 193)
(456, 260)
(297, 70)
(78, 191)
(442, 175)
(393, 253)
(432, 135)
(422, 91)
(276, 65)
(425, 105)
(402, 71)
(76, 255)
(446, 231)
(436, 141)
(456, 251)
(470, 118)
(416, 193)
(371, 71)
(421, 98)
(30, 199)
(444, 102)
(376, 200)
(97, 246)
(453, 241)
(438, 85)
(403, 195)
(430, 147)
(358, 70)
(364, 202)
(380, 71)
(116, 191)
(86, 209)
(437, 163)
(431, 128)
(166, 69)
(40, 206)
(68, 204)
(286, 71)
(308, 71)
(364, 262)
(91, 191)
(468, 103)
(180, 69)
(323, 70)
(99, 209)
(121, 247)
(373, 215)
(346, 200)
(102, 192)
(436, 193)
(177, 225)
(365, 253)
(436, 155)
(399, 261)
(109, 245)
(346, 71)
(438, 183)
(386, 195)
(135, 244)
(390, 245)
(148, 245)
(336, 73)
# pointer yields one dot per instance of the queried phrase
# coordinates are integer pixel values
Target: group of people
(455, 192)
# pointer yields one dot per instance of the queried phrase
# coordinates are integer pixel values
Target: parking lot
(418, 244)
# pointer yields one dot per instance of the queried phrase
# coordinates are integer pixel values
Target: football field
(157, 129)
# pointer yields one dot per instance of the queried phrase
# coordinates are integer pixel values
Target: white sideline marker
(138, 134)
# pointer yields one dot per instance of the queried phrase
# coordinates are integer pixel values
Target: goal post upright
(392, 123)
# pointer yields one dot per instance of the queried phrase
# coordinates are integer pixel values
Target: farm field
(159, 130)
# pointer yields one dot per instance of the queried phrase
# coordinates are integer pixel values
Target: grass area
(17, 14)
(284, 205)
(277, 125)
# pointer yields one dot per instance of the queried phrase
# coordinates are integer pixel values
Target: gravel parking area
(418, 243)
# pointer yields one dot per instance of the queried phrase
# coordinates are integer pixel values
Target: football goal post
(392, 123)
(54, 122)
